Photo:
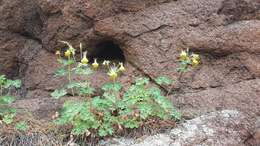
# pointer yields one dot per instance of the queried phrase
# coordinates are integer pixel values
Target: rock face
(223, 128)
(150, 33)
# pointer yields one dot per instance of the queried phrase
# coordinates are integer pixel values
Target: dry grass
(46, 134)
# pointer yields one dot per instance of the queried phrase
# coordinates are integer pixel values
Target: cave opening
(108, 50)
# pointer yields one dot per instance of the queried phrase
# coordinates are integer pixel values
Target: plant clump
(7, 112)
(114, 109)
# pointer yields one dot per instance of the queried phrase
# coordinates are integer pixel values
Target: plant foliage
(7, 113)
(114, 108)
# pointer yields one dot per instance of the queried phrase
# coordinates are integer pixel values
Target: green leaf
(22, 126)
(164, 102)
(183, 66)
(68, 62)
(17, 83)
(82, 70)
(112, 87)
(60, 72)
(12, 83)
(136, 93)
(86, 91)
(146, 109)
(8, 118)
(155, 92)
(163, 80)
(74, 85)
(2, 79)
(176, 114)
(102, 104)
(110, 97)
(131, 123)
(5, 110)
(58, 93)
(142, 81)
(69, 110)
(7, 99)
(105, 130)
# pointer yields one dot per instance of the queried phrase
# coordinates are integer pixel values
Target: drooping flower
(195, 62)
(95, 65)
(195, 56)
(106, 62)
(67, 53)
(184, 55)
(84, 60)
(121, 68)
(112, 73)
(57, 52)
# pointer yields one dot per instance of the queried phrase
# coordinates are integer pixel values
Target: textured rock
(16, 52)
(73, 20)
(10, 44)
(151, 34)
(20, 16)
(223, 128)
(244, 96)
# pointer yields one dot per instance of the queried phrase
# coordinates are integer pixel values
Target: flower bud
(121, 68)
(84, 60)
(195, 62)
(196, 56)
(57, 52)
(95, 65)
(184, 55)
(67, 53)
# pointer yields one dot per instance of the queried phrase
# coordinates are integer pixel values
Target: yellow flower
(121, 68)
(106, 62)
(57, 52)
(95, 65)
(112, 73)
(195, 62)
(195, 56)
(67, 53)
(184, 55)
(84, 60)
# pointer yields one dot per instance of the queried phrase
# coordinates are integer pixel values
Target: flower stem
(1, 90)
(179, 79)
(69, 76)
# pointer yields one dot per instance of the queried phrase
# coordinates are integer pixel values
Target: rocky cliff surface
(150, 33)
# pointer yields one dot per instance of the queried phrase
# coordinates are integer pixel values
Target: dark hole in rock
(108, 50)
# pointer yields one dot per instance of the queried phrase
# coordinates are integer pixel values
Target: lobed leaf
(22, 126)
(58, 93)
(8, 118)
(163, 80)
(7, 99)
(112, 87)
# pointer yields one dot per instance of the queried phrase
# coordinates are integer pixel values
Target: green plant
(7, 113)
(22, 126)
(188, 59)
(114, 108)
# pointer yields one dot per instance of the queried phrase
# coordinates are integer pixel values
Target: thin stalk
(179, 79)
(80, 47)
(69, 75)
(1, 90)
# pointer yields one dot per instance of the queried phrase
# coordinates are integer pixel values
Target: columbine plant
(7, 113)
(113, 109)
(70, 68)
(188, 59)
